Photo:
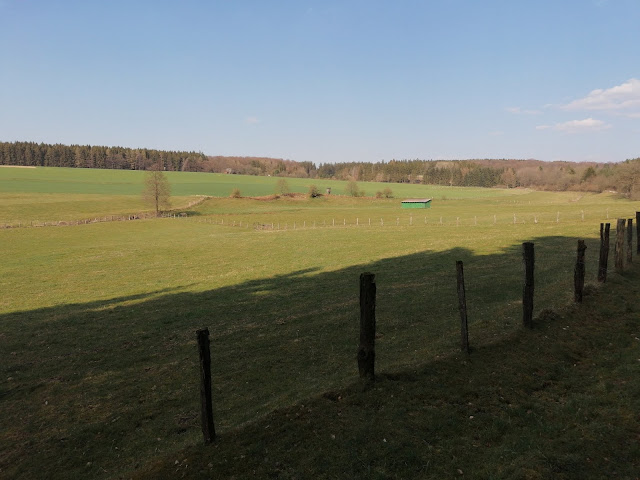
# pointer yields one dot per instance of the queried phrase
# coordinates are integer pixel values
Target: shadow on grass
(555, 402)
(80, 380)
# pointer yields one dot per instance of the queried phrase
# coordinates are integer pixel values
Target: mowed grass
(98, 321)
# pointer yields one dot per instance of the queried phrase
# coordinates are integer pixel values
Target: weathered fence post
(206, 405)
(366, 351)
(619, 250)
(578, 273)
(462, 303)
(630, 240)
(527, 292)
(604, 252)
(637, 232)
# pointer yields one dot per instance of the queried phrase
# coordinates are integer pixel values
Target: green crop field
(99, 361)
(126, 182)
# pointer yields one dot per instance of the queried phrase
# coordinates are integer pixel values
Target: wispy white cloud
(577, 126)
(622, 99)
(252, 120)
(520, 111)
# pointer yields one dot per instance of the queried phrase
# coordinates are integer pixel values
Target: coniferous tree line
(85, 156)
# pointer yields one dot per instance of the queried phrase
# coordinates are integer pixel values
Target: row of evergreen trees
(85, 156)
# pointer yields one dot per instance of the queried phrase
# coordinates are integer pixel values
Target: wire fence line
(501, 219)
(369, 295)
(248, 221)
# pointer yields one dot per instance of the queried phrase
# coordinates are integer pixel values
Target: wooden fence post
(462, 303)
(637, 232)
(630, 240)
(619, 250)
(604, 252)
(578, 273)
(527, 292)
(206, 405)
(366, 351)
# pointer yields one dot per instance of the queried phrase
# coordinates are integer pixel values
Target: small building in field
(416, 203)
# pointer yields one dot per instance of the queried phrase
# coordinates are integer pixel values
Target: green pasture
(99, 370)
(46, 194)
(64, 194)
(126, 182)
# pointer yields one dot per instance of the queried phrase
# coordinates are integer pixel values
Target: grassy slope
(557, 402)
(108, 357)
(126, 182)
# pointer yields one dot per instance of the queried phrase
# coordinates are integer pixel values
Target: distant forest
(621, 177)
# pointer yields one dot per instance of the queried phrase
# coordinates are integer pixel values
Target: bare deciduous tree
(156, 189)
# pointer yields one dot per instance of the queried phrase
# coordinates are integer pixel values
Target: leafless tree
(156, 189)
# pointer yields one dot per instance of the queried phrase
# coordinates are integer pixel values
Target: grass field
(54, 194)
(98, 321)
(126, 182)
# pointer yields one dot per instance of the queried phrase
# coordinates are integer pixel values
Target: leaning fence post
(527, 291)
(604, 252)
(206, 405)
(630, 240)
(366, 351)
(578, 273)
(462, 303)
(619, 251)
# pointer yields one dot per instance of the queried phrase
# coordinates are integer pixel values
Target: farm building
(416, 203)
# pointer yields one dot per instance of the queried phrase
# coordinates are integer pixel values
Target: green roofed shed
(416, 203)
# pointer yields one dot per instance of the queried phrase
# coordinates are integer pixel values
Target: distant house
(416, 203)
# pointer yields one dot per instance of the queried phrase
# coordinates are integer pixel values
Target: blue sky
(326, 81)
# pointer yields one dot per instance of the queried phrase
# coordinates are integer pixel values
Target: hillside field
(53, 194)
(99, 359)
